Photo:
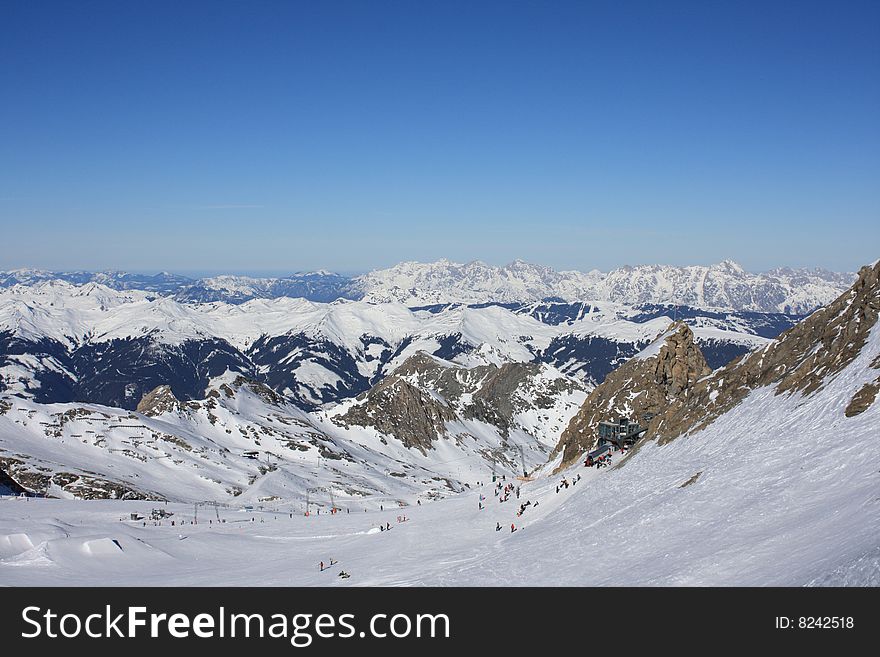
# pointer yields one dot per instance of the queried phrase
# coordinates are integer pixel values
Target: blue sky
(281, 136)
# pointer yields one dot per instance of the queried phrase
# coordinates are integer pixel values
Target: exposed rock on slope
(396, 408)
(650, 382)
(801, 360)
(237, 442)
(158, 401)
(415, 402)
(36, 479)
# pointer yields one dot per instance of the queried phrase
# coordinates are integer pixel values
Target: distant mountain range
(723, 286)
(61, 342)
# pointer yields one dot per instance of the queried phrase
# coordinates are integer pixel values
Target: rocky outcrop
(801, 360)
(415, 402)
(158, 401)
(862, 400)
(40, 480)
(646, 385)
(396, 408)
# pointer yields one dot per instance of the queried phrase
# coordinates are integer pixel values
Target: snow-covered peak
(725, 285)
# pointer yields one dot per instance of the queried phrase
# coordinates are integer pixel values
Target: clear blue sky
(254, 136)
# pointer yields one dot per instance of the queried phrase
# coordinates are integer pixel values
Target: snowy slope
(786, 495)
(779, 489)
(241, 444)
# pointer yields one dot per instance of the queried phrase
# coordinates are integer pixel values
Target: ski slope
(787, 494)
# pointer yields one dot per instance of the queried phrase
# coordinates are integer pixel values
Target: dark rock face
(863, 399)
(638, 387)
(414, 403)
(801, 360)
(397, 408)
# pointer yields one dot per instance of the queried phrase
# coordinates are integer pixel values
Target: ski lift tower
(522, 461)
(318, 489)
(206, 503)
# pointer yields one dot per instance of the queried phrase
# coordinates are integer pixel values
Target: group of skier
(522, 507)
(333, 562)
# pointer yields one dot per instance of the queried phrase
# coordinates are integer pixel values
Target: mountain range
(759, 468)
(725, 285)
(61, 342)
(442, 390)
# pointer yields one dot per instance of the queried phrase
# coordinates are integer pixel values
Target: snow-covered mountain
(161, 283)
(427, 399)
(763, 473)
(61, 342)
(723, 286)
(315, 286)
(671, 381)
(244, 443)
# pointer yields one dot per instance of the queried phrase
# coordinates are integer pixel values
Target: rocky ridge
(645, 385)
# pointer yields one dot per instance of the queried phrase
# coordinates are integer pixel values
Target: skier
(322, 566)
(512, 528)
(497, 526)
